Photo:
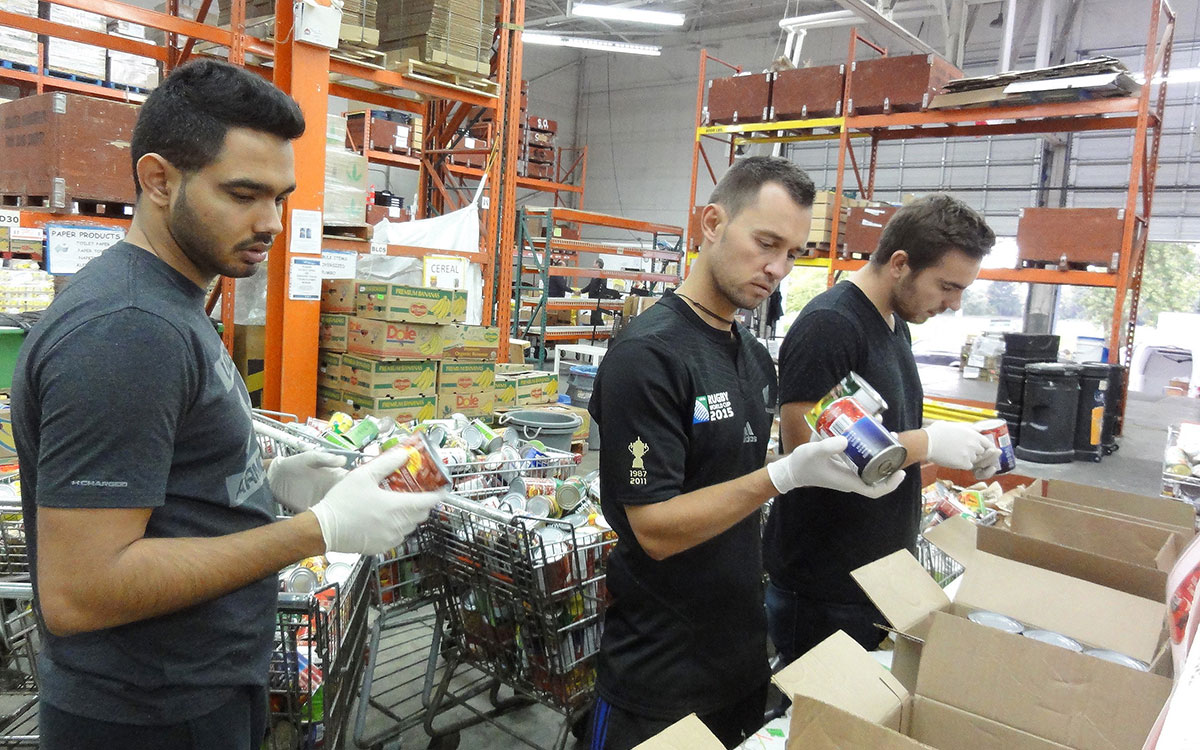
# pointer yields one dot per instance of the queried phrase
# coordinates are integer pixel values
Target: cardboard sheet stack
(17, 46)
(64, 56)
(129, 70)
(452, 33)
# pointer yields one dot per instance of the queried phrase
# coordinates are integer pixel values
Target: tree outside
(1170, 283)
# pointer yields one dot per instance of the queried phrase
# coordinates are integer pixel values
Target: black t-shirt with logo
(124, 397)
(682, 406)
(814, 536)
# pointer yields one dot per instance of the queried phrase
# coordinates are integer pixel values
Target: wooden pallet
(451, 77)
(1068, 266)
(82, 206)
(352, 231)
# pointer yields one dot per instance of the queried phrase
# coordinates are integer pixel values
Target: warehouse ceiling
(552, 15)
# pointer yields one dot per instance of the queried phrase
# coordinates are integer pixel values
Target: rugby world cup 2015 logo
(700, 413)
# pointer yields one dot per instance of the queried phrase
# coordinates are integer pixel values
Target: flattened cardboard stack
(454, 33)
(65, 56)
(20, 47)
(358, 20)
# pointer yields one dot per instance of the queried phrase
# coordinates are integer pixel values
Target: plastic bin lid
(586, 370)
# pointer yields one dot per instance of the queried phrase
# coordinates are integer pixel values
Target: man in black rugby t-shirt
(929, 253)
(681, 400)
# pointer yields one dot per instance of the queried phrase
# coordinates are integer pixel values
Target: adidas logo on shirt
(750, 436)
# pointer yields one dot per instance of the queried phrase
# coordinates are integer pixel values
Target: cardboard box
(533, 388)
(1094, 615)
(329, 370)
(329, 400)
(466, 376)
(338, 296)
(506, 392)
(334, 332)
(510, 368)
(1148, 583)
(581, 432)
(978, 689)
(635, 305)
(1158, 509)
(380, 338)
(403, 410)
(471, 342)
(381, 379)
(467, 403)
(409, 304)
(1121, 538)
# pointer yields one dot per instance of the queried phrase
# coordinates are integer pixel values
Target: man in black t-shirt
(928, 254)
(681, 399)
(148, 510)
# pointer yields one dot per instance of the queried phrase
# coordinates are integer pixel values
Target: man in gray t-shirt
(148, 510)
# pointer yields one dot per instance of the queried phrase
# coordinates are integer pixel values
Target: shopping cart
(522, 599)
(317, 661)
(408, 648)
(18, 627)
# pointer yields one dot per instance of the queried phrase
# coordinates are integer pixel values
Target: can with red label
(871, 449)
(530, 486)
(997, 430)
(422, 472)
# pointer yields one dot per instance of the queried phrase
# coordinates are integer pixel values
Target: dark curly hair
(932, 226)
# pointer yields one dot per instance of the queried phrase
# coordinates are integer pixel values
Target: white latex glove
(358, 515)
(817, 465)
(988, 465)
(299, 481)
(958, 445)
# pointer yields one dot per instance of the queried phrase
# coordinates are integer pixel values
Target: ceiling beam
(879, 22)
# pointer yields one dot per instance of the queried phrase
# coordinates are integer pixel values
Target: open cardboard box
(689, 733)
(978, 689)
(1094, 615)
(1171, 513)
(1118, 536)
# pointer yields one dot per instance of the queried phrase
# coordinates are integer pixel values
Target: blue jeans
(796, 623)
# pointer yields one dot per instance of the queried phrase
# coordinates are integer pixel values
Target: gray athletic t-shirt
(124, 397)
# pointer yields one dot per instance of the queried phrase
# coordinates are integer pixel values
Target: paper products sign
(69, 249)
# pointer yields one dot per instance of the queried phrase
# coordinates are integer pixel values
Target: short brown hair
(932, 226)
(745, 179)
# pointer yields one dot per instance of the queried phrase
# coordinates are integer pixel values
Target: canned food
(551, 562)
(338, 572)
(456, 459)
(362, 433)
(530, 486)
(435, 432)
(470, 484)
(317, 564)
(514, 502)
(459, 421)
(1118, 658)
(997, 431)
(542, 506)
(481, 437)
(996, 620)
(301, 580)
(341, 423)
(871, 450)
(511, 436)
(534, 458)
(423, 472)
(1054, 639)
(571, 493)
(510, 468)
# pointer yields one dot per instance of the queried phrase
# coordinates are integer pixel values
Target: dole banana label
(458, 308)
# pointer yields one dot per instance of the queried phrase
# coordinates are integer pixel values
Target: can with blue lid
(871, 449)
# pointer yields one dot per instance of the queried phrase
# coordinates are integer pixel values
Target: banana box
(388, 340)
(472, 342)
(334, 332)
(374, 378)
(338, 296)
(329, 400)
(466, 376)
(537, 387)
(403, 410)
(469, 403)
(506, 392)
(409, 304)
(329, 370)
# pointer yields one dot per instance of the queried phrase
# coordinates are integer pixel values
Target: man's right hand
(958, 445)
(357, 515)
(817, 464)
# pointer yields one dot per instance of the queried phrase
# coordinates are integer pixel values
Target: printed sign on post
(9, 218)
(338, 264)
(69, 248)
(304, 279)
(306, 231)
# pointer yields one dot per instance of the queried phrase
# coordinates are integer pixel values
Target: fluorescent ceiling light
(580, 42)
(635, 15)
(1180, 75)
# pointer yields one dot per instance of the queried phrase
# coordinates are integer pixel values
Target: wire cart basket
(18, 627)
(413, 641)
(319, 639)
(522, 598)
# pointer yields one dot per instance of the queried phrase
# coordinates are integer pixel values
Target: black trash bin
(1090, 416)
(1113, 408)
(1050, 403)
